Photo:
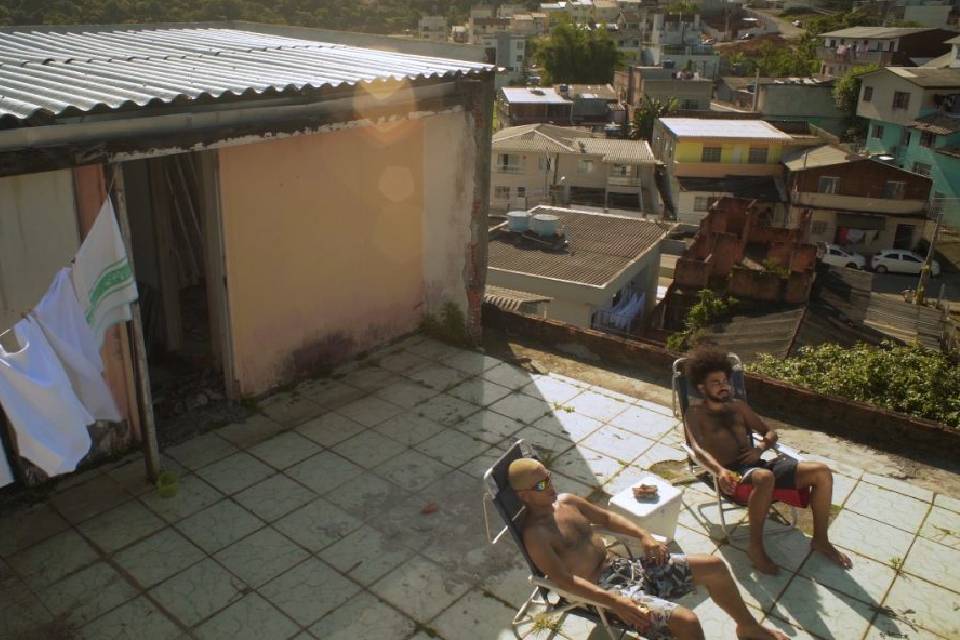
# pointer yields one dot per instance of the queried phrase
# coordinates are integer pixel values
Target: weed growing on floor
(545, 622)
(449, 326)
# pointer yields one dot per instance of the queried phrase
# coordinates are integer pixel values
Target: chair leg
(609, 628)
(522, 615)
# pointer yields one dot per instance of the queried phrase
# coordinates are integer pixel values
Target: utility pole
(925, 270)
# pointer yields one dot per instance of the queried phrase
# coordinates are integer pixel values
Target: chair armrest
(780, 448)
(574, 598)
(620, 536)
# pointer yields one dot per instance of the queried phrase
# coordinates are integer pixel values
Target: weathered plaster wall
(339, 241)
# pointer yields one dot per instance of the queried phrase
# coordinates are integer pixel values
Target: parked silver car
(900, 261)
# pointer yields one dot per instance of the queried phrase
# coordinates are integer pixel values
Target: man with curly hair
(719, 432)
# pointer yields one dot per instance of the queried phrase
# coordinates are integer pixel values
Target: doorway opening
(173, 208)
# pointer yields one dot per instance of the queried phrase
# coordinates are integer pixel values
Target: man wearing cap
(558, 536)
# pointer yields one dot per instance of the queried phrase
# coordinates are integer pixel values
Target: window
(894, 189)
(867, 93)
(819, 227)
(905, 138)
(620, 170)
(936, 204)
(828, 184)
(689, 104)
(521, 192)
(877, 131)
(508, 163)
(927, 139)
(901, 100)
(501, 193)
(910, 258)
(758, 155)
(544, 164)
(701, 204)
(922, 168)
(585, 166)
(711, 154)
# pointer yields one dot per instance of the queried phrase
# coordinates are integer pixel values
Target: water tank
(518, 221)
(544, 224)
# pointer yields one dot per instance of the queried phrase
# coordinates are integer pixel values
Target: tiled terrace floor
(351, 509)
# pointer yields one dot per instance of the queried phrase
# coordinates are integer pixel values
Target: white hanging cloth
(49, 420)
(74, 342)
(102, 277)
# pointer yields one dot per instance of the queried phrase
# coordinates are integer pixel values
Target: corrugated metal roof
(600, 246)
(533, 95)
(719, 128)
(927, 77)
(874, 32)
(511, 299)
(618, 151)
(48, 73)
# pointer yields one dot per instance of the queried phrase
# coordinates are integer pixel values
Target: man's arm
(692, 426)
(755, 423)
(541, 552)
(727, 479)
(607, 519)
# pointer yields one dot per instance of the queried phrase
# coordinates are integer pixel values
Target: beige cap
(523, 473)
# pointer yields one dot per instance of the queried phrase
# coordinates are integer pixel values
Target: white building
(432, 28)
(601, 263)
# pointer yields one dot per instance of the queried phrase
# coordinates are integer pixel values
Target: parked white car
(899, 261)
(835, 256)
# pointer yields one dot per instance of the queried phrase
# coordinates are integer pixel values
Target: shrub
(909, 379)
(709, 309)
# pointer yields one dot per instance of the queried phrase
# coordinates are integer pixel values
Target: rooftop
(511, 299)
(929, 78)
(762, 188)
(811, 157)
(937, 123)
(548, 138)
(723, 128)
(874, 32)
(533, 95)
(602, 91)
(349, 507)
(50, 72)
(600, 246)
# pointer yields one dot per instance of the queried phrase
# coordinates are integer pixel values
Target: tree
(572, 54)
(846, 93)
(647, 113)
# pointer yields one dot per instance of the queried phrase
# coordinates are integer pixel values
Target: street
(895, 283)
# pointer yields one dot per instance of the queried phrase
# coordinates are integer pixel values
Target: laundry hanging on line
(49, 420)
(102, 277)
(75, 344)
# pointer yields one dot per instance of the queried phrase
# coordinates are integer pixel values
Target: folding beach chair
(555, 600)
(685, 394)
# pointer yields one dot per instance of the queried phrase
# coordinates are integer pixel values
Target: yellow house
(716, 148)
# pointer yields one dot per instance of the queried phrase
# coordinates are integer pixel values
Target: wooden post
(151, 450)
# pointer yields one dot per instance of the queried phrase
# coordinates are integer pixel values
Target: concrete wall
(339, 241)
(880, 105)
(872, 242)
(813, 103)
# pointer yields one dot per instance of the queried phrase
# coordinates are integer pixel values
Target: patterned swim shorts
(650, 586)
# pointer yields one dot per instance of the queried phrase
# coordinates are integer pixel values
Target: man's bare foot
(762, 562)
(832, 553)
(757, 632)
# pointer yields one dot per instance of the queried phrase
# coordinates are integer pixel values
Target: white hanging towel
(48, 418)
(102, 276)
(73, 341)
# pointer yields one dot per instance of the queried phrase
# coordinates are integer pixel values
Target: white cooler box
(656, 516)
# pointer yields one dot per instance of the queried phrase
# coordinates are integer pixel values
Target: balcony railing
(511, 169)
(623, 181)
(854, 56)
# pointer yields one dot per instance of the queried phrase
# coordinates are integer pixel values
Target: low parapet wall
(882, 429)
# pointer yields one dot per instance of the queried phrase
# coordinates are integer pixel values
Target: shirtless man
(720, 438)
(558, 536)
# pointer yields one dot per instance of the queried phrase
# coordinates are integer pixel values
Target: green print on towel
(113, 278)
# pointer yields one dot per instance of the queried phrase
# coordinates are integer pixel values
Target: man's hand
(728, 481)
(770, 439)
(635, 615)
(654, 552)
(750, 456)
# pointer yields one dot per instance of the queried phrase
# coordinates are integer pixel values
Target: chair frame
(543, 587)
(724, 502)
